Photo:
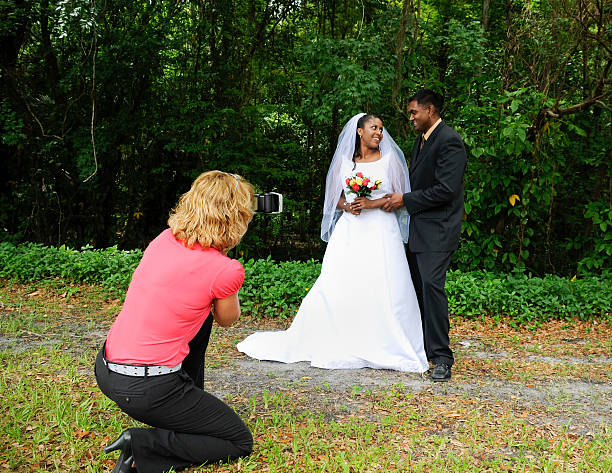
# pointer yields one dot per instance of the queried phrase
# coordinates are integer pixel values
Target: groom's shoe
(441, 372)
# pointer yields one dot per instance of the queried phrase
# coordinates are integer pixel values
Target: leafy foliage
(32, 262)
(527, 298)
(274, 289)
(108, 111)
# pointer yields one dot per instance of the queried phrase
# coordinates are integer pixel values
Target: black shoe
(124, 464)
(441, 372)
(126, 458)
(123, 443)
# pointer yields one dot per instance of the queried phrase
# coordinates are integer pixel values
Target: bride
(362, 311)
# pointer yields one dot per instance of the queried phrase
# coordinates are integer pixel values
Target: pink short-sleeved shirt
(168, 300)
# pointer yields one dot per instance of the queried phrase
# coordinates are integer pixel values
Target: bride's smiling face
(372, 133)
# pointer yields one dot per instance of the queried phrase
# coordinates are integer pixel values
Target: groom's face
(420, 116)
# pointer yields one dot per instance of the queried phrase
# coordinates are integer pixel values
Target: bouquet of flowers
(360, 185)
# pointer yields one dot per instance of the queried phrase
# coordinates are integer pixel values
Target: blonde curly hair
(215, 212)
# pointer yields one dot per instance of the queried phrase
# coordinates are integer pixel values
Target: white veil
(343, 156)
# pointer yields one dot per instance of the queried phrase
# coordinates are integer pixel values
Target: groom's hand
(394, 202)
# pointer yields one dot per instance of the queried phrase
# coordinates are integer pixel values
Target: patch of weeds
(537, 349)
(54, 417)
(325, 387)
(526, 376)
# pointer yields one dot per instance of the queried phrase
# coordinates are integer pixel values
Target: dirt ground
(557, 374)
(571, 387)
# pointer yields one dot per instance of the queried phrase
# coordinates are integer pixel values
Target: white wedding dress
(362, 311)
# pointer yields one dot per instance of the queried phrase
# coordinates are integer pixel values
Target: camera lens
(268, 203)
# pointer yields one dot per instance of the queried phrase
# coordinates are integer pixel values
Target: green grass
(55, 419)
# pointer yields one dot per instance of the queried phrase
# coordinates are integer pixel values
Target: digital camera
(268, 203)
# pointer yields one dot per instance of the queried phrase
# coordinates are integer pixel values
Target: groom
(435, 205)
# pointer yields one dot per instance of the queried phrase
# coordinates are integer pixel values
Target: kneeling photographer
(152, 362)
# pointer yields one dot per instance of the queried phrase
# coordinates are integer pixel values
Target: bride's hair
(360, 124)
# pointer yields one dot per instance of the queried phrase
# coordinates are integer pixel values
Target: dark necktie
(422, 142)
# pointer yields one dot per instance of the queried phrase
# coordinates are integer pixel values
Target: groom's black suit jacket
(435, 203)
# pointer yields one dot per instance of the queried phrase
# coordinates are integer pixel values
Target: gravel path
(582, 403)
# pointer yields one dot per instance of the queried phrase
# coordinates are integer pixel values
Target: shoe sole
(440, 380)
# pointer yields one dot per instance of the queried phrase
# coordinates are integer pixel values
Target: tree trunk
(485, 14)
(407, 19)
(442, 56)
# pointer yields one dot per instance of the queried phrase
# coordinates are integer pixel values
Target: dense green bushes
(527, 298)
(106, 118)
(110, 267)
(275, 289)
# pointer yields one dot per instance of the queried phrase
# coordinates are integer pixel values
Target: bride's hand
(352, 209)
(361, 203)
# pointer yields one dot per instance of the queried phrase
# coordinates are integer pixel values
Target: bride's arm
(342, 203)
(365, 203)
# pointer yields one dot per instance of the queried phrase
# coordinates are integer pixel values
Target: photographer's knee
(246, 445)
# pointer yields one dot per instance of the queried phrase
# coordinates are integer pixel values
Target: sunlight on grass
(55, 419)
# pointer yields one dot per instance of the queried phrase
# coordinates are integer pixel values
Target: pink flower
(360, 174)
(365, 181)
(347, 180)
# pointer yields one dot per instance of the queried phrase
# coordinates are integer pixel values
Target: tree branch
(93, 104)
(557, 112)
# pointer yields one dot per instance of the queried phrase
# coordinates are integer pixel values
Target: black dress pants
(190, 426)
(428, 272)
(193, 364)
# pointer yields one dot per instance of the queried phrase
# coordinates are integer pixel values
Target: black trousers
(190, 426)
(429, 277)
